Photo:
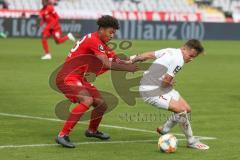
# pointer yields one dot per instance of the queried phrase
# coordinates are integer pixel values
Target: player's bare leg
(180, 110)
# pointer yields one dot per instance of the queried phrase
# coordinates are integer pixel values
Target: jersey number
(178, 68)
(77, 45)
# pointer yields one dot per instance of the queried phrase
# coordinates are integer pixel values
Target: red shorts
(54, 31)
(72, 86)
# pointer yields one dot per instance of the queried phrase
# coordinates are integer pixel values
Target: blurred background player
(3, 4)
(156, 86)
(50, 17)
(91, 53)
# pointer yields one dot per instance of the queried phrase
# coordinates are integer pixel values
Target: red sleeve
(112, 54)
(97, 47)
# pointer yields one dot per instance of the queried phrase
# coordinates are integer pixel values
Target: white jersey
(171, 58)
(168, 61)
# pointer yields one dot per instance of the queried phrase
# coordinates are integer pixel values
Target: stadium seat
(74, 8)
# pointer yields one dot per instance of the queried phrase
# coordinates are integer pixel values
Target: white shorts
(162, 101)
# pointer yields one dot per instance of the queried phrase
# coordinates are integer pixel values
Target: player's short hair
(195, 44)
(107, 21)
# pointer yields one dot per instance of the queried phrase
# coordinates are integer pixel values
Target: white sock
(170, 123)
(186, 127)
(182, 119)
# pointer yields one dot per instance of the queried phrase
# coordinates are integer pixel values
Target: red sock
(73, 118)
(45, 45)
(96, 118)
(62, 39)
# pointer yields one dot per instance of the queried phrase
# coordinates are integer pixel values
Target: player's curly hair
(195, 44)
(107, 21)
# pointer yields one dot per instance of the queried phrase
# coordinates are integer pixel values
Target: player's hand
(127, 62)
(137, 58)
(124, 61)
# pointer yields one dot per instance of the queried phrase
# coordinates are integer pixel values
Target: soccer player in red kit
(90, 54)
(49, 16)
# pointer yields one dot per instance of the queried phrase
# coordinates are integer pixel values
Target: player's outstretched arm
(142, 57)
(117, 66)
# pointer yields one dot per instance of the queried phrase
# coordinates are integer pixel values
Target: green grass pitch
(210, 84)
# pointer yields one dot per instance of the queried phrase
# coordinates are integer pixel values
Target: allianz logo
(191, 30)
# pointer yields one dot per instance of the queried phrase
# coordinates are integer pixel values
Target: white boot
(71, 37)
(46, 57)
(196, 144)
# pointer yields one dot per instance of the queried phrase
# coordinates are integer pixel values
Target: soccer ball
(167, 143)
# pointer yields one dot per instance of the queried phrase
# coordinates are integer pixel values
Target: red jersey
(91, 44)
(82, 57)
(49, 15)
(82, 60)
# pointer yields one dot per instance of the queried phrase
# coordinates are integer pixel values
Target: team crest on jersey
(100, 48)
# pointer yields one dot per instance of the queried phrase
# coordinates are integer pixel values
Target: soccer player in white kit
(156, 86)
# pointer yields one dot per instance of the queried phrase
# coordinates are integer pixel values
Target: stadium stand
(210, 10)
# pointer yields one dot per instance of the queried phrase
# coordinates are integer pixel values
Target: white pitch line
(102, 125)
(81, 143)
(78, 143)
